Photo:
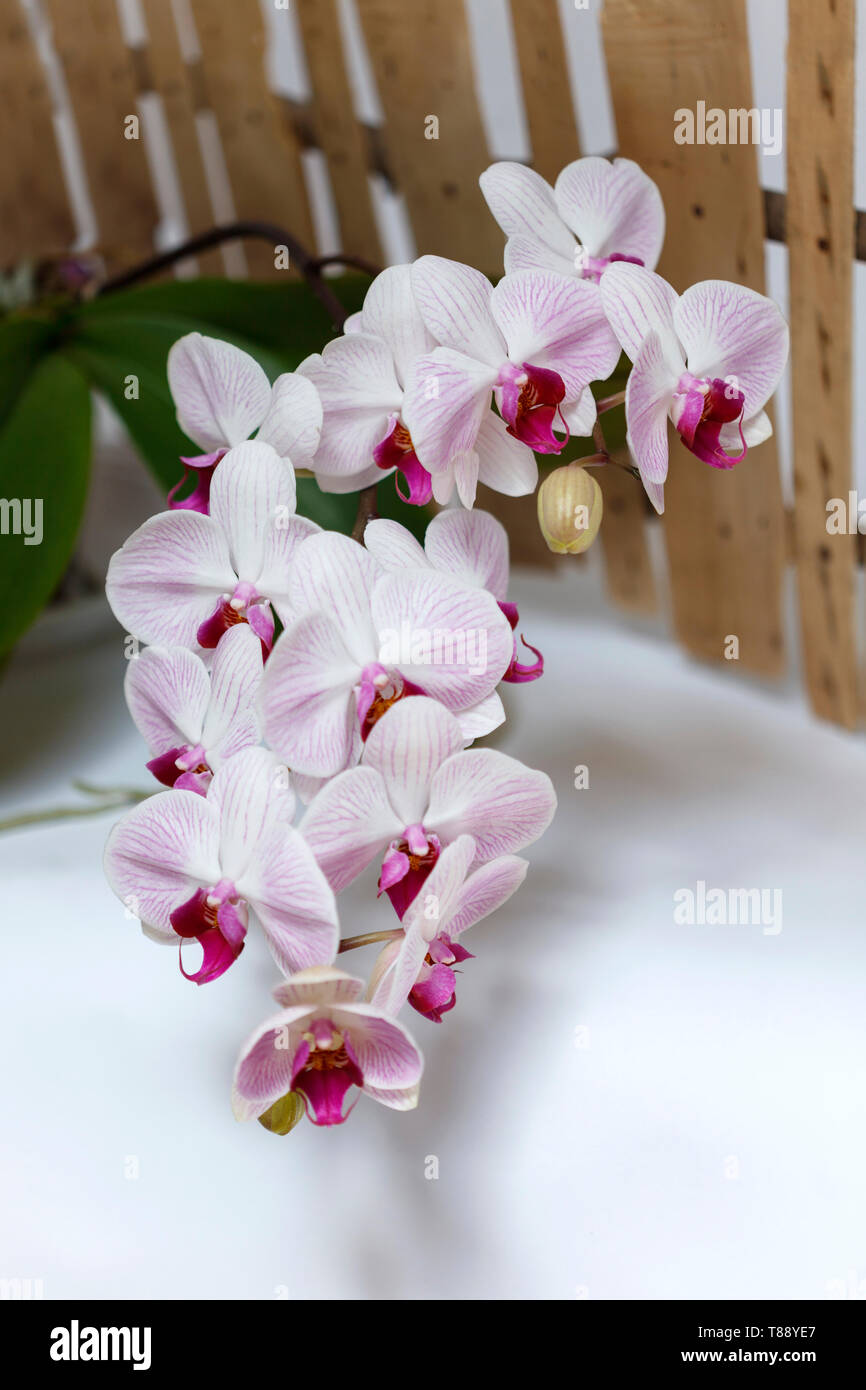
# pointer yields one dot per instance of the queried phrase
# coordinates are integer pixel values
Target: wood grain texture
(35, 218)
(261, 151)
(101, 82)
(820, 228)
(547, 95)
(724, 531)
(339, 134)
(168, 76)
(629, 576)
(422, 62)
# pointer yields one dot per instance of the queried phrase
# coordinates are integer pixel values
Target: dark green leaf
(24, 340)
(44, 458)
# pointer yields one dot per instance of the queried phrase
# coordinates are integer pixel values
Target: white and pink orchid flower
(184, 578)
(208, 867)
(360, 379)
(222, 396)
(416, 790)
(324, 1041)
(195, 719)
(534, 343)
(598, 213)
(363, 640)
(472, 546)
(419, 965)
(708, 360)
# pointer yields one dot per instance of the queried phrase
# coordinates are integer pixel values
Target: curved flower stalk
(207, 868)
(222, 397)
(363, 640)
(418, 966)
(600, 211)
(416, 790)
(708, 360)
(183, 578)
(195, 719)
(324, 1042)
(472, 546)
(391, 653)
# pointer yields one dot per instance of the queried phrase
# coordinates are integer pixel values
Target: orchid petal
(351, 821)
(505, 464)
(648, 394)
(359, 390)
(292, 899)
(221, 393)
(336, 575)
(730, 332)
(264, 1069)
(638, 302)
(581, 415)
(447, 398)
(484, 793)
(556, 322)
(252, 498)
(523, 204)
(525, 253)
(318, 987)
(251, 791)
(484, 891)
(230, 722)
(390, 313)
(392, 546)
(387, 1056)
(613, 208)
(306, 700)
(167, 690)
(164, 581)
(454, 302)
(461, 643)
(161, 852)
(482, 718)
(293, 423)
(472, 546)
(406, 747)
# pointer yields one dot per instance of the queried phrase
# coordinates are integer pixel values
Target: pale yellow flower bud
(569, 509)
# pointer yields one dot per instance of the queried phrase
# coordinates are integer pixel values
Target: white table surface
(705, 1139)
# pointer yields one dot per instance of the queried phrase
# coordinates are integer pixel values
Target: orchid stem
(610, 402)
(350, 943)
(113, 801)
(367, 511)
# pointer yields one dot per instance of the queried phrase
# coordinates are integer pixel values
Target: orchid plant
(312, 701)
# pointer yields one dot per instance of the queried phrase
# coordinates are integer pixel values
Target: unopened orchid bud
(284, 1114)
(569, 509)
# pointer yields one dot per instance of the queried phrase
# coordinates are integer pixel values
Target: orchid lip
(217, 919)
(701, 406)
(529, 400)
(324, 1069)
(245, 605)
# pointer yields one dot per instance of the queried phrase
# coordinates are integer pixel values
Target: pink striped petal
(168, 690)
(388, 1058)
(523, 204)
(359, 390)
(162, 852)
(648, 395)
(638, 302)
(729, 331)
(448, 396)
(454, 302)
(406, 747)
(251, 792)
(231, 723)
(390, 313)
(613, 207)
(293, 423)
(502, 804)
(221, 393)
(505, 464)
(556, 322)
(351, 821)
(166, 580)
(292, 900)
(306, 699)
(457, 638)
(335, 575)
(525, 253)
(472, 546)
(253, 498)
(319, 987)
(482, 718)
(263, 1073)
(392, 546)
(483, 892)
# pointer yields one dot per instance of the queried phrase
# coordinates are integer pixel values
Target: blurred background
(620, 1106)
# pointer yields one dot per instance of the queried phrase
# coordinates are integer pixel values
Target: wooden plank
(547, 95)
(724, 531)
(422, 62)
(35, 217)
(169, 77)
(340, 135)
(820, 103)
(629, 576)
(261, 152)
(100, 79)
